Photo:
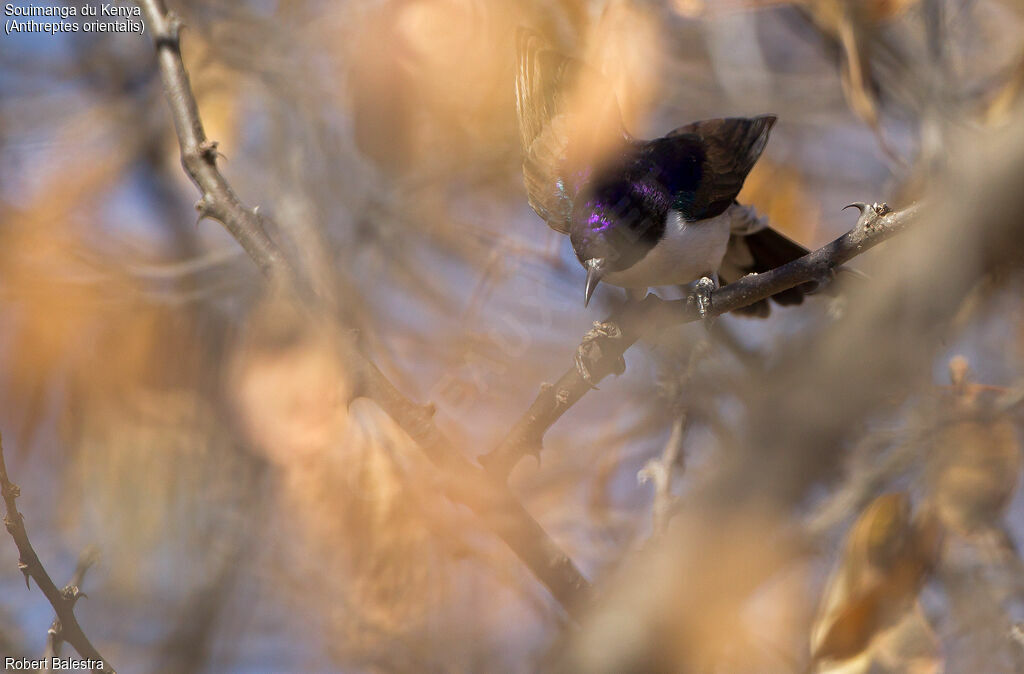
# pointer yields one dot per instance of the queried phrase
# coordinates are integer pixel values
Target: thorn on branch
(23, 567)
(208, 151)
(869, 212)
(204, 207)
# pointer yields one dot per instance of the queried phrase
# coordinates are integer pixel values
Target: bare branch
(635, 319)
(55, 635)
(466, 483)
(63, 601)
(199, 154)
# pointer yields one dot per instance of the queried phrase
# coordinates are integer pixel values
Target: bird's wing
(730, 147)
(568, 116)
(754, 247)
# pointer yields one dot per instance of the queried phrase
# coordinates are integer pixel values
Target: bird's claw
(702, 291)
(603, 329)
(581, 367)
(589, 350)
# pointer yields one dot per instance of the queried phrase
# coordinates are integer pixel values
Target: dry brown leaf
(626, 46)
(886, 557)
(975, 461)
(777, 191)
(289, 384)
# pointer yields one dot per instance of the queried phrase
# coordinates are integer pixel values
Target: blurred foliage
(160, 403)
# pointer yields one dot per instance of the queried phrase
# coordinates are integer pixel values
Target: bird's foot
(590, 350)
(702, 290)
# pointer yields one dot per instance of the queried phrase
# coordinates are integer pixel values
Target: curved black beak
(595, 270)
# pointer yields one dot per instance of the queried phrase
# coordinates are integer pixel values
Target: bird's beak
(595, 270)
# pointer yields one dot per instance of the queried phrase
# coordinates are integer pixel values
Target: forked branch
(62, 600)
(465, 482)
(635, 319)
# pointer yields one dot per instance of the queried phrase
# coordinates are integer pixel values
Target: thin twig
(63, 601)
(55, 635)
(199, 154)
(635, 319)
(660, 470)
(465, 482)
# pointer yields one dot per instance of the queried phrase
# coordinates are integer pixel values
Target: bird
(641, 213)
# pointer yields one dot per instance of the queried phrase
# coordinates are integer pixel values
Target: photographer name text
(55, 663)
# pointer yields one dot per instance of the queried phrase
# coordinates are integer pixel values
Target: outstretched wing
(568, 118)
(730, 147)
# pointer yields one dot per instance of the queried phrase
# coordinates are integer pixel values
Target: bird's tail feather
(754, 247)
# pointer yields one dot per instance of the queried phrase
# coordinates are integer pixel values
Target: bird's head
(611, 229)
(595, 240)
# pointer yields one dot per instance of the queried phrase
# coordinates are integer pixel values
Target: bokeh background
(158, 403)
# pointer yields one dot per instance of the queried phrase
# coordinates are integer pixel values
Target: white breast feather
(688, 251)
